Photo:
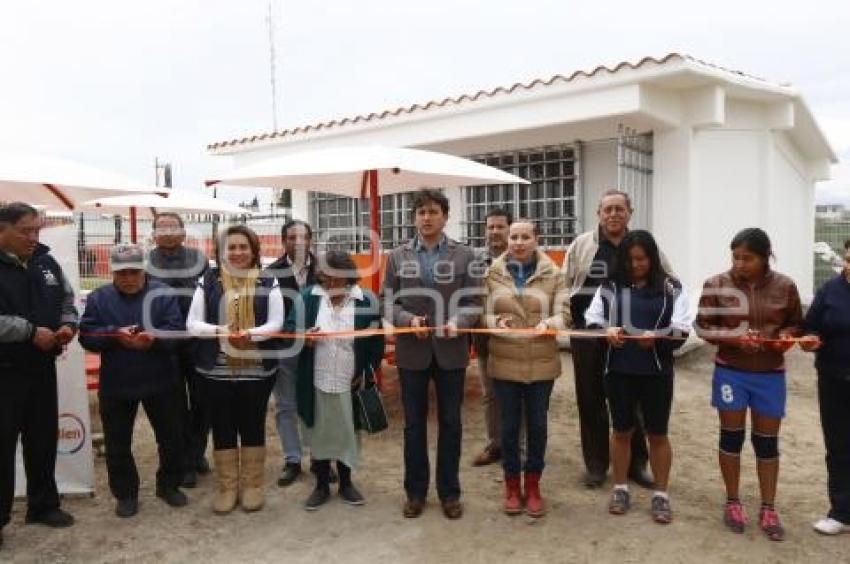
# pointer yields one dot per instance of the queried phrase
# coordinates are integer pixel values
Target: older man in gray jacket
(588, 262)
(432, 282)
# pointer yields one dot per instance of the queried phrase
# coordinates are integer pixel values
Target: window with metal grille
(343, 223)
(552, 198)
(634, 173)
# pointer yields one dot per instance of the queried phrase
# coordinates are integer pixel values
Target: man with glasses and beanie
(178, 266)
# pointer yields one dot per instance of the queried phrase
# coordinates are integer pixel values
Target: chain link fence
(97, 234)
(830, 237)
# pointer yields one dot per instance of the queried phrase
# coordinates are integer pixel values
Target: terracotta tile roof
(449, 101)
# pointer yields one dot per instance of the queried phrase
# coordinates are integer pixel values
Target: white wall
(456, 213)
(726, 181)
(727, 185)
(672, 203)
(599, 167)
(791, 215)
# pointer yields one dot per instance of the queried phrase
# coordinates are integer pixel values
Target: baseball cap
(126, 257)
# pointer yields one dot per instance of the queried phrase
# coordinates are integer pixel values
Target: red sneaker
(734, 517)
(770, 524)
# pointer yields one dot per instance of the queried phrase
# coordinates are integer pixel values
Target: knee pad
(765, 446)
(732, 441)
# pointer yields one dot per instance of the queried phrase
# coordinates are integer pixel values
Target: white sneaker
(830, 526)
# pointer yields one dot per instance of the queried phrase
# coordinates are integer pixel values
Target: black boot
(320, 495)
(347, 491)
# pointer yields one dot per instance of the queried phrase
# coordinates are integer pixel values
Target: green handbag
(370, 406)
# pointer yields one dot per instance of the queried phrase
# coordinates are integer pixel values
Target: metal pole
(375, 227)
(133, 226)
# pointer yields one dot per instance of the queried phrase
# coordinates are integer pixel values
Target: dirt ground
(577, 528)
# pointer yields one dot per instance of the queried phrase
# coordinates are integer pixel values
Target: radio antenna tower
(272, 63)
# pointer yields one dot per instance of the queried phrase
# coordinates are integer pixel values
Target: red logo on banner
(72, 434)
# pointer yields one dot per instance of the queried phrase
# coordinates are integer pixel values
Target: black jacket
(282, 270)
(33, 295)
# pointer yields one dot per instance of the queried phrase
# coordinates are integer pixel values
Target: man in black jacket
(295, 270)
(180, 267)
(137, 367)
(37, 319)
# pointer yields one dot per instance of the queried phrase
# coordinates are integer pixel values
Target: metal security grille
(343, 223)
(552, 198)
(634, 173)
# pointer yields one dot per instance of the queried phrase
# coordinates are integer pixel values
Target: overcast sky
(117, 83)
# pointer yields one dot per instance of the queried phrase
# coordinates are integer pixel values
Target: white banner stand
(74, 460)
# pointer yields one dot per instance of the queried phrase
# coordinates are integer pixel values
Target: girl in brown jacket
(525, 290)
(737, 310)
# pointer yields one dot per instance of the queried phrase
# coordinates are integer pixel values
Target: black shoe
(350, 495)
(642, 477)
(290, 473)
(190, 479)
(318, 498)
(172, 496)
(55, 518)
(127, 507)
(202, 466)
(594, 479)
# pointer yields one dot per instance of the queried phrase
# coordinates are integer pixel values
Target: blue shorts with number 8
(736, 390)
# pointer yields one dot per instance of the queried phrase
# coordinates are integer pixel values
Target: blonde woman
(236, 299)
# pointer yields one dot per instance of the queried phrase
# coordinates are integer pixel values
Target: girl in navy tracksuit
(640, 299)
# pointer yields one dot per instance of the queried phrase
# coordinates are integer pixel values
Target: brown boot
(513, 495)
(252, 475)
(489, 455)
(227, 480)
(534, 506)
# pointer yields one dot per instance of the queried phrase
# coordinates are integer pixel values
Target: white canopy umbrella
(366, 172)
(344, 171)
(180, 201)
(59, 184)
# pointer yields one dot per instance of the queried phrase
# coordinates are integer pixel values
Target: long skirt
(332, 436)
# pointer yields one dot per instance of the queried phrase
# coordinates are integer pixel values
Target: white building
(704, 151)
(830, 212)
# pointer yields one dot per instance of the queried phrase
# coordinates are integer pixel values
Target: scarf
(239, 293)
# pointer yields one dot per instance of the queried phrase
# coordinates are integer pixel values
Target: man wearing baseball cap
(128, 323)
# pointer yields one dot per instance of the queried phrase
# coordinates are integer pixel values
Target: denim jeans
(286, 411)
(834, 396)
(449, 385)
(534, 397)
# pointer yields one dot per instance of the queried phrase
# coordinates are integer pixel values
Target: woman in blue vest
(642, 301)
(828, 332)
(330, 368)
(235, 308)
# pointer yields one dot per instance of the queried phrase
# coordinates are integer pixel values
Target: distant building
(703, 150)
(830, 212)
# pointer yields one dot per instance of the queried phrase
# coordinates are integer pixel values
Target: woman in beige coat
(525, 290)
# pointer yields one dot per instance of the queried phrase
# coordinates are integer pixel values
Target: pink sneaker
(770, 524)
(734, 517)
